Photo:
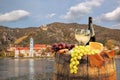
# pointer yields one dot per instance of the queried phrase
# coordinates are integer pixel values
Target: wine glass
(82, 36)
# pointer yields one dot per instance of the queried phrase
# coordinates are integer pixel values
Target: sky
(34, 13)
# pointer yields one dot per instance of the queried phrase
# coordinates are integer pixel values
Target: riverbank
(46, 57)
(42, 57)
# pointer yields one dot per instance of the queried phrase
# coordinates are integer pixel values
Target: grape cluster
(58, 46)
(76, 55)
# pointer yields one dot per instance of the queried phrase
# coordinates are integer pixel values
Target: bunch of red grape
(58, 46)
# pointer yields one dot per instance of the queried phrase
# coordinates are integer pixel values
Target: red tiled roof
(22, 48)
(39, 45)
(36, 47)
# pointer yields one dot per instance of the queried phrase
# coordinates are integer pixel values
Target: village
(34, 50)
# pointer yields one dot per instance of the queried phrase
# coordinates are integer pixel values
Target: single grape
(72, 46)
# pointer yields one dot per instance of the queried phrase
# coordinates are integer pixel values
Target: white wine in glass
(82, 36)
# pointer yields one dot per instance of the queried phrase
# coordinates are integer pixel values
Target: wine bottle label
(92, 30)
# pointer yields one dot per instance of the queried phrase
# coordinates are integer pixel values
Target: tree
(110, 44)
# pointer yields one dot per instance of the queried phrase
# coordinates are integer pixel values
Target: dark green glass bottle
(92, 31)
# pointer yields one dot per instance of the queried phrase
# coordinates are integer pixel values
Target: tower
(31, 47)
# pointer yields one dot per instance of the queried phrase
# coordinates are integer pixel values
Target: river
(31, 69)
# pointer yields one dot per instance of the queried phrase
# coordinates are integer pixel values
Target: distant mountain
(51, 33)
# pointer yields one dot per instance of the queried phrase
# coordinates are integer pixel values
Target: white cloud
(80, 10)
(13, 15)
(50, 15)
(111, 16)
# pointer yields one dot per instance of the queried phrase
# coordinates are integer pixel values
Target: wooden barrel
(85, 71)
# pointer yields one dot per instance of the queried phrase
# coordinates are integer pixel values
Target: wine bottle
(92, 31)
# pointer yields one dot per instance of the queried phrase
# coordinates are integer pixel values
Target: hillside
(51, 33)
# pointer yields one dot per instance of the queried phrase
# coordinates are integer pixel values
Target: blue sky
(34, 13)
